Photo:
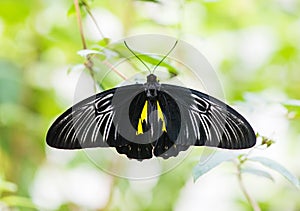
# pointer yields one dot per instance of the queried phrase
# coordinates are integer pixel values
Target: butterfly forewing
(84, 124)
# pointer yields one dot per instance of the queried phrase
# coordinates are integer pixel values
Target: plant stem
(251, 201)
(89, 63)
(115, 70)
(94, 20)
(77, 8)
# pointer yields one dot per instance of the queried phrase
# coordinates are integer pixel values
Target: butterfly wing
(79, 126)
(207, 121)
(91, 122)
(107, 119)
(111, 119)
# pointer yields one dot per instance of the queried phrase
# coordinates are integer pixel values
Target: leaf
(293, 107)
(17, 201)
(258, 172)
(7, 186)
(122, 51)
(81, 3)
(213, 161)
(154, 61)
(104, 42)
(87, 52)
(279, 168)
(266, 141)
(71, 10)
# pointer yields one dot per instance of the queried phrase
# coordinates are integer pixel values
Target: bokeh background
(253, 46)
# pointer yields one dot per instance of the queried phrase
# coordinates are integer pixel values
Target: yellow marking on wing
(143, 117)
(161, 116)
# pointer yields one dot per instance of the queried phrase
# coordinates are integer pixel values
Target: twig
(77, 8)
(115, 70)
(94, 20)
(89, 63)
(251, 201)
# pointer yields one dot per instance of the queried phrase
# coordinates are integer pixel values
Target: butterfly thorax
(151, 86)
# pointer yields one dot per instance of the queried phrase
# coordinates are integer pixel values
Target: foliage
(253, 45)
(12, 200)
(240, 161)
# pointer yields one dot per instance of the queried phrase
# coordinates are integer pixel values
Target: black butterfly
(151, 119)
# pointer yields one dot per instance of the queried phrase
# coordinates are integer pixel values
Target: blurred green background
(253, 46)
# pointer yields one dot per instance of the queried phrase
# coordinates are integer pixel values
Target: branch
(87, 8)
(115, 70)
(251, 201)
(77, 8)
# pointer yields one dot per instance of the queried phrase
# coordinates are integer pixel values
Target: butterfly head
(152, 86)
(152, 79)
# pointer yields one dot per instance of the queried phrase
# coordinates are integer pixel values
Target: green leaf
(104, 42)
(122, 51)
(266, 141)
(293, 107)
(279, 168)
(154, 61)
(71, 10)
(7, 186)
(257, 172)
(211, 162)
(17, 201)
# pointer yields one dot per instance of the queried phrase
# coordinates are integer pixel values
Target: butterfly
(150, 120)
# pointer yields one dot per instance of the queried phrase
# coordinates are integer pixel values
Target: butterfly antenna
(166, 55)
(137, 56)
